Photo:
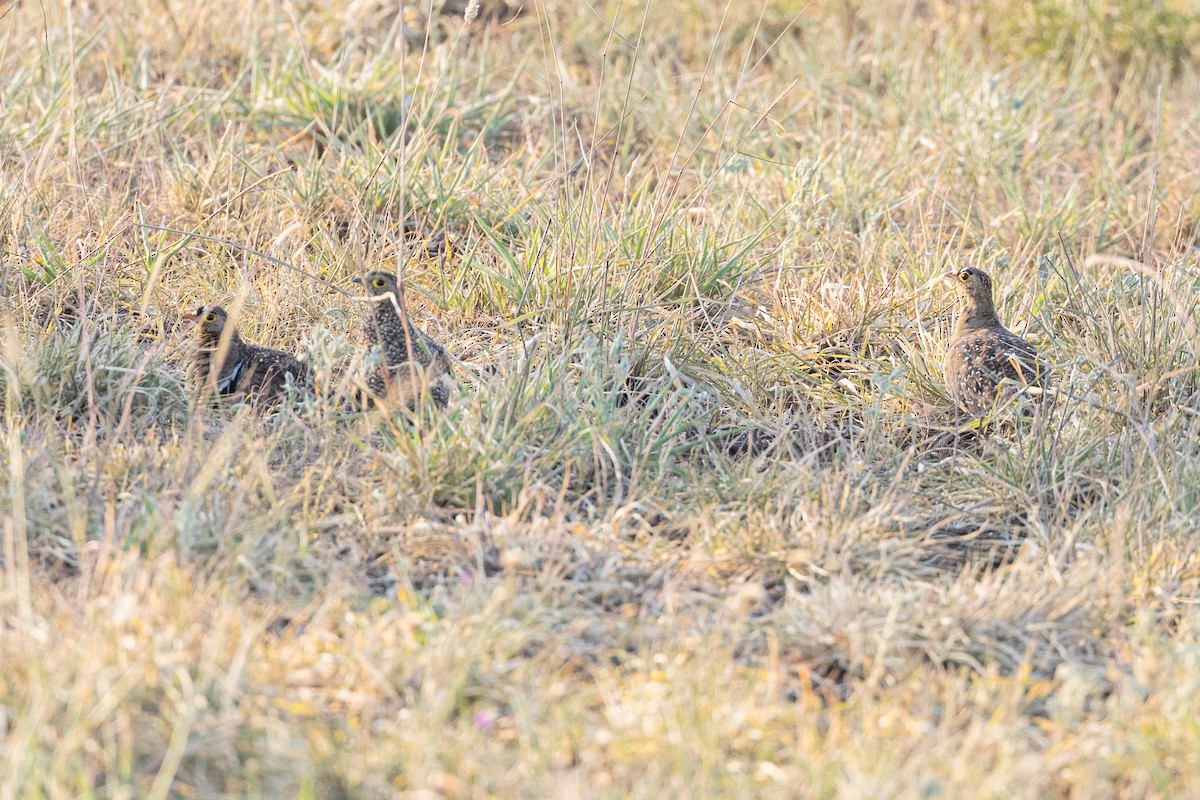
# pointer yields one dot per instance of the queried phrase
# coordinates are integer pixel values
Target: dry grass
(698, 522)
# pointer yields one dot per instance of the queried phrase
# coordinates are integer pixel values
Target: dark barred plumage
(413, 362)
(244, 371)
(986, 363)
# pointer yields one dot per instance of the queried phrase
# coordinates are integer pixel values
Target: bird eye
(379, 283)
(965, 276)
(210, 317)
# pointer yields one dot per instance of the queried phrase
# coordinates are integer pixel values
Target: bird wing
(267, 367)
(981, 362)
(403, 384)
(227, 384)
(1020, 359)
(421, 348)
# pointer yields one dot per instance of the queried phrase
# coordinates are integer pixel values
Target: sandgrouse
(238, 369)
(986, 363)
(413, 363)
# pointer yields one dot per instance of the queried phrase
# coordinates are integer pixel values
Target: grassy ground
(692, 525)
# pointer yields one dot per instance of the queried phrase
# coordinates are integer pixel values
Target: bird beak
(950, 277)
(356, 280)
(188, 316)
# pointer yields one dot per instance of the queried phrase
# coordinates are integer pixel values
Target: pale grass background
(691, 527)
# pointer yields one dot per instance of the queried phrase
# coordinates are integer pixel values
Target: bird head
(971, 282)
(210, 321)
(381, 284)
(975, 286)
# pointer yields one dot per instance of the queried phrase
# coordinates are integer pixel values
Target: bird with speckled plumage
(413, 363)
(226, 365)
(987, 364)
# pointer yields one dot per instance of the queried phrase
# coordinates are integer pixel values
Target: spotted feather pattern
(985, 366)
(264, 374)
(413, 363)
(244, 371)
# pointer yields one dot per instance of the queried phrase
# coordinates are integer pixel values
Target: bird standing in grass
(987, 363)
(225, 364)
(413, 363)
